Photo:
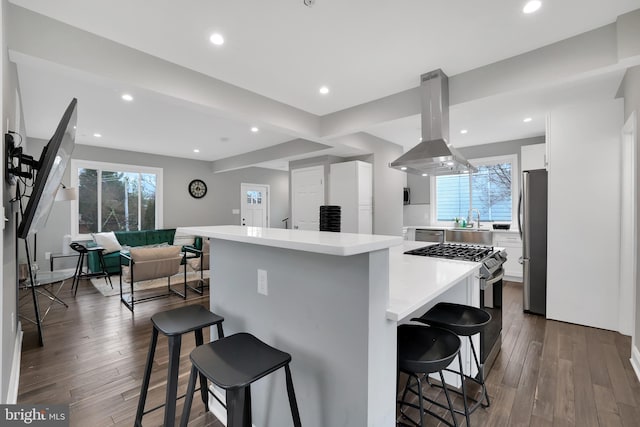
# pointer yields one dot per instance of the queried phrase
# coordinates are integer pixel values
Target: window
(254, 197)
(493, 191)
(114, 197)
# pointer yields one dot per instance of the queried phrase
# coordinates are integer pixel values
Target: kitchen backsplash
(416, 214)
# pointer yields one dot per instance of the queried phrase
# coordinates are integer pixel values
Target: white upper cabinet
(533, 157)
(351, 187)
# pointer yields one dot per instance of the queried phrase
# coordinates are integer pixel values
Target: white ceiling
(151, 123)
(362, 50)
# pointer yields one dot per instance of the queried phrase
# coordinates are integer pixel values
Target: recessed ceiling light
(216, 39)
(403, 168)
(527, 120)
(195, 150)
(324, 90)
(254, 129)
(424, 174)
(463, 131)
(97, 135)
(127, 97)
(532, 6)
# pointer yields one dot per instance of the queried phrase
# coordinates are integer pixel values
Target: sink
(469, 235)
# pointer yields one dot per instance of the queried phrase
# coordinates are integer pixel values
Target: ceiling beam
(287, 149)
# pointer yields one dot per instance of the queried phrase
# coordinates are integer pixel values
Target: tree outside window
(491, 193)
(115, 200)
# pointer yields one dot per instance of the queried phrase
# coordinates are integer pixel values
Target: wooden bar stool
(173, 324)
(233, 364)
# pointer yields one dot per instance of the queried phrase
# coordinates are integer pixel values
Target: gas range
(491, 258)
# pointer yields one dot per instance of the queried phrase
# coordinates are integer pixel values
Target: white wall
(9, 364)
(631, 91)
(584, 214)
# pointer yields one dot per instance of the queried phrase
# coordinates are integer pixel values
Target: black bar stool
(173, 324)
(424, 350)
(464, 321)
(84, 251)
(233, 363)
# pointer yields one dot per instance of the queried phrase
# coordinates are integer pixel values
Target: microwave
(407, 196)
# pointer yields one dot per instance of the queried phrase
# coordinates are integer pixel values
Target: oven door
(491, 301)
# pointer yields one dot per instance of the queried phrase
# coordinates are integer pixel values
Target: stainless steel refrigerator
(532, 222)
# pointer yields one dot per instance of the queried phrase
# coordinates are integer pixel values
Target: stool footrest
(155, 408)
(476, 402)
(417, 390)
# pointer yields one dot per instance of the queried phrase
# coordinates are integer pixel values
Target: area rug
(103, 287)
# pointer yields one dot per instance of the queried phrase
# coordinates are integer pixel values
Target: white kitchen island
(333, 301)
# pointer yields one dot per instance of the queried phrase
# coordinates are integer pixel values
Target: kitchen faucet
(478, 212)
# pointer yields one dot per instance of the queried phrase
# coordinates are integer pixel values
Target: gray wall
(9, 283)
(631, 92)
(180, 209)
(420, 185)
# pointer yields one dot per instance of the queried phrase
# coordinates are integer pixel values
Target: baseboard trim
(216, 408)
(635, 360)
(14, 379)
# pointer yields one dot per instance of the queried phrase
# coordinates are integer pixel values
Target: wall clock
(197, 188)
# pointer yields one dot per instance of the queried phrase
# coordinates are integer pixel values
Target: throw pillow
(108, 241)
(184, 239)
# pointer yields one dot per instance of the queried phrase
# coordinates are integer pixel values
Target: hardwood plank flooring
(548, 373)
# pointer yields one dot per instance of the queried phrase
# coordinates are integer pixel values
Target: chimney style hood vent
(434, 155)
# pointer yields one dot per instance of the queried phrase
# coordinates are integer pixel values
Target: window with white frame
(115, 197)
(492, 191)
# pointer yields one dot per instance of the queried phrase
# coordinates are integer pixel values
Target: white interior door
(627, 229)
(307, 189)
(254, 205)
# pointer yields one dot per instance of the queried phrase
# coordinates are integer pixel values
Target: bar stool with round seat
(83, 251)
(462, 320)
(173, 324)
(233, 364)
(423, 350)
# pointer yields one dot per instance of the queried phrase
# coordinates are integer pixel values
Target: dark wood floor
(547, 374)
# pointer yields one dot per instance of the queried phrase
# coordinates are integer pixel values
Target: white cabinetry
(533, 157)
(513, 245)
(351, 187)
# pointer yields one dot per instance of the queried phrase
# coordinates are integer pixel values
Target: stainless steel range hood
(434, 155)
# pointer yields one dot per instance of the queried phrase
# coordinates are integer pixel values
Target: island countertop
(416, 280)
(322, 242)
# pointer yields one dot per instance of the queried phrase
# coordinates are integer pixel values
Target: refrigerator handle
(520, 214)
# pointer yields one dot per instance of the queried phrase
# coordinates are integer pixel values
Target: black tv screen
(51, 166)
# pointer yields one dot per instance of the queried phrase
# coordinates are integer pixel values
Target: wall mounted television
(50, 169)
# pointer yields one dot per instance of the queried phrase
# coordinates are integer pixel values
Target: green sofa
(134, 238)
